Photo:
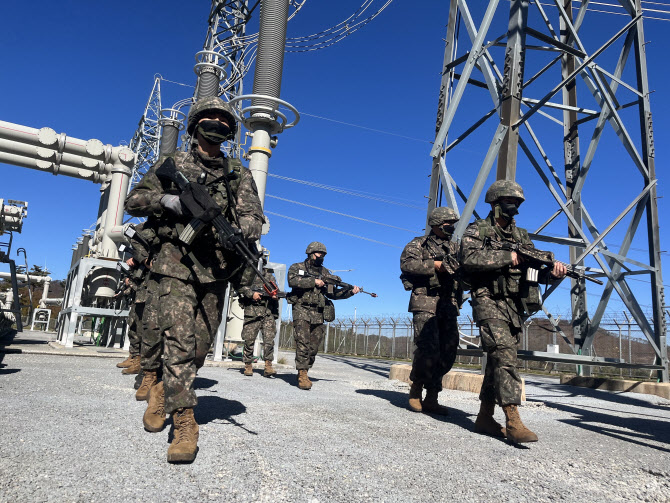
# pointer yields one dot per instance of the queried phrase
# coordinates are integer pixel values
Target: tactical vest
(510, 284)
(411, 282)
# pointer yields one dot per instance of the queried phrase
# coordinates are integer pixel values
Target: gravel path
(72, 431)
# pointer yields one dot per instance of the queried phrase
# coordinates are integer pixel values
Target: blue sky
(86, 68)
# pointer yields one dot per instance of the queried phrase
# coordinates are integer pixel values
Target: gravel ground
(72, 431)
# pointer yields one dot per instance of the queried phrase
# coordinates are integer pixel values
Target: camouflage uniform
(138, 283)
(309, 303)
(434, 302)
(259, 315)
(192, 280)
(134, 317)
(496, 305)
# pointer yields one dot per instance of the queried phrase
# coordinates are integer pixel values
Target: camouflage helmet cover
(440, 215)
(208, 104)
(504, 188)
(315, 246)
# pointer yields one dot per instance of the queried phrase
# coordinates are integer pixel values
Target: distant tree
(39, 271)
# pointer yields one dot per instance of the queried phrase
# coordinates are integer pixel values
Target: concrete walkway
(72, 431)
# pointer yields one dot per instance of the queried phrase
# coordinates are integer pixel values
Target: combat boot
(415, 397)
(184, 446)
(134, 367)
(432, 406)
(517, 433)
(125, 363)
(303, 380)
(149, 381)
(154, 416)
(248, 369)
(485, 424)
(269, 369)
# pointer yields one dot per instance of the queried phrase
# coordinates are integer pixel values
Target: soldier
(499, 292)
(310, 297)
(193, 278)
(429, 265)
(131, 365)
(260, 313)
(138, 283)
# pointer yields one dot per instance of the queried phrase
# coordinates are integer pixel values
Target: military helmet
(440, 215)
(315, 246)
(206, 105)
(504, 188)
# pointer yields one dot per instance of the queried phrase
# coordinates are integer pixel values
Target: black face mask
(507, 210)
(448, 229)
(213, 131)
(317, 261)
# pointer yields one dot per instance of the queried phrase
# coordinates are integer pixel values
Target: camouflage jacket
(266, 306)
(417, 263)
(309, 301)
(232, 187)
(494, 283)
(148, 235)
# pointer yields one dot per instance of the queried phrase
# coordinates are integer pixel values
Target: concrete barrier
(461, 381)
(647, 388)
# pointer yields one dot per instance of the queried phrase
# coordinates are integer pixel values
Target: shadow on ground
(380, 368)
(399, 399)
(203, 383)
(214, 409)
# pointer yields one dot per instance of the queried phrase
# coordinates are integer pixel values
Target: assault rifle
(196, 199)
(329, 280)
(538, 259)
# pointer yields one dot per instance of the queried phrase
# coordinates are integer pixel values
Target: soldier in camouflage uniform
(193, 278)
(429, 265)
(499, 290)
(260, 313)
(310, 297)
(135, 293)
(151, 346)
(131, 365)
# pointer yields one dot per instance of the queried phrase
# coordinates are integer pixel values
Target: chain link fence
(392, 338)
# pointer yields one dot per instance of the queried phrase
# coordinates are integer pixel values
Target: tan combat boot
(432, 406)
(303, 380)
(248, 369)
(415, 397)
(269, 369)
(149, 381)
(485, 424)
(184, 446)
(125, 363)
(516, 431)
(154, 416)
(134, 367)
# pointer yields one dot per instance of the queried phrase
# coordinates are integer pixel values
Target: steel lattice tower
(146, 140)
(562, 70)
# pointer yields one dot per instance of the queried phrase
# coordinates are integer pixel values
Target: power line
(341, 214)
(346, 191)
(367, 128)
(333, 230)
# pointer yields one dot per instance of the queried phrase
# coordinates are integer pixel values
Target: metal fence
(392, 338)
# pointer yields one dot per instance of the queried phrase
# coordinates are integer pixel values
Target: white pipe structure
(45, 150)
(45, 300)
(12, 214)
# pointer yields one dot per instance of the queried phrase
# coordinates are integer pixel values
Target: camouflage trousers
(267, 325)
(135, 315)
(152, 336)
(308, 337)
(436, 341)
(189, 315)
(502, 382)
